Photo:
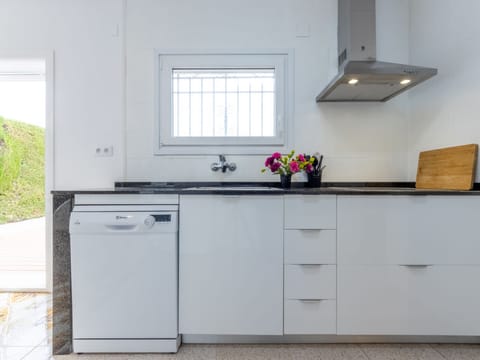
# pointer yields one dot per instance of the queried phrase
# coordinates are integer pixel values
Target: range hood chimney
(361, 77)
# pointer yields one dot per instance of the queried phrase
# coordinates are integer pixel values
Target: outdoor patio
(22, 255)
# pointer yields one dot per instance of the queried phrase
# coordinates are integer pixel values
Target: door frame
(49, 57)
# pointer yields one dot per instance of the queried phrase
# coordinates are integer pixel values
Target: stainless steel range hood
(361, 77)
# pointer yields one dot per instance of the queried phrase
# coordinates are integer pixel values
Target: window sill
(215, 150)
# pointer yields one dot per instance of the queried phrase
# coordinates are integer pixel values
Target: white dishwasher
(124, 278)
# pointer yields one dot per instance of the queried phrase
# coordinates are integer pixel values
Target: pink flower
(309, 168)
(269, 161)
(294, 168)
(275, 166)
(301, 157)
(276, 155)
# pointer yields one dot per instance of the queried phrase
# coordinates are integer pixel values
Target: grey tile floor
(25, 333)
(306, 352)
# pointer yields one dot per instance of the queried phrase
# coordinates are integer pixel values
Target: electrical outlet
(104, 151)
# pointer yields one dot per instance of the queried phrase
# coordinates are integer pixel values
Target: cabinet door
(372, 300)
(408, 300)
(425, 230)
(231, 265)
(444, 300)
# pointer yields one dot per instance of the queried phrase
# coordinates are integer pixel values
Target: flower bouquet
(287, 165)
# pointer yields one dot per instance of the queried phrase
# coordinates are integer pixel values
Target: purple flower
(294, 168)
(309, 168)
(275, 166)
(269, 161)
(276, 155)
(301, 157)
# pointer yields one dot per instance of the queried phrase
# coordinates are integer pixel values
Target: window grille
(223, 102)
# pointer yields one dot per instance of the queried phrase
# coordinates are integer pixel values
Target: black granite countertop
(263, 188)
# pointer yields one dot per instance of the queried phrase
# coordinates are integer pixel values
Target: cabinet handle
(413, 266)
(310, 300)
(310, 265)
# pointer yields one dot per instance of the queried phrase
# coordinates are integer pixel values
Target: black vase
(314, 180)
(286, 181)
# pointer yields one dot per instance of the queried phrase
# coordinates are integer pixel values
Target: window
(223, 102)
(230, 103)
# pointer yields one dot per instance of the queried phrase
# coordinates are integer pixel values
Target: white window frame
(164, 141)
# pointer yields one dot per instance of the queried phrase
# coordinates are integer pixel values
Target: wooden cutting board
(451, 168)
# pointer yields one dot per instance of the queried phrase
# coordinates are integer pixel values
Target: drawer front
(310, 317)
(445, 301)
(438, 300)
(399, 230)
(310, 246)
(310, 211)
(314, 282)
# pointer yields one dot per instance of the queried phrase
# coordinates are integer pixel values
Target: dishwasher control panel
(163, 218)
(93, 219)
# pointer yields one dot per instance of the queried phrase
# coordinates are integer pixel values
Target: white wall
(445, 110)
(360, 141)
(88, 79)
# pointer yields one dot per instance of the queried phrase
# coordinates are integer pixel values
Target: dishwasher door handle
(124, 227)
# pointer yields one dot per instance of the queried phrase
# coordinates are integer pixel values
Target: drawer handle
(311, 301)
(311, 265)
(419, 266)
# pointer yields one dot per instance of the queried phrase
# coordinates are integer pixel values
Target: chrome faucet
(223, 165)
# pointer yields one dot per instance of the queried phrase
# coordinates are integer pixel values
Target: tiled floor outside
(25, 333)
(25, 326)
(22, 255)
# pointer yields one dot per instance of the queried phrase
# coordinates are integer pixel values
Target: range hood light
(405, 81)
(353, 81)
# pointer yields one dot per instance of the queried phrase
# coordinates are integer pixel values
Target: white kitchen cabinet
(423, 230)
(231, 265)
(310, 264)
(310, 212)
(310, 246)
(408, 265)
(372, 300)
(315, 282)
(310, 317)
(403, 300)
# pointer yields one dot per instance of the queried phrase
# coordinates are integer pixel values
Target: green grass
(22, 169)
